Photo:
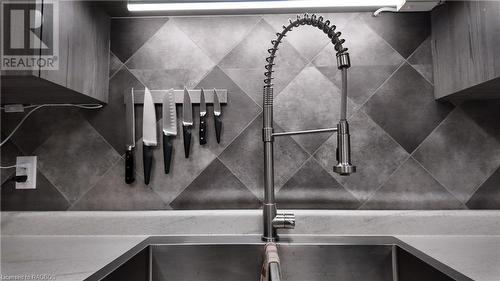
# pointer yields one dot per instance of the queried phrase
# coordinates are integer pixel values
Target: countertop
(64, 255)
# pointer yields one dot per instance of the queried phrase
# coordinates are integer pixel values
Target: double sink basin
(303, 258)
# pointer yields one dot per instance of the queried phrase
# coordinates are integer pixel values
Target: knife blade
(203, 117)
(148, 134)
(187, 121)
(217, 116)
(129, 137)
(169, 127)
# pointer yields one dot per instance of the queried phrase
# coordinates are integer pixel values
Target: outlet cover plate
(26, 165)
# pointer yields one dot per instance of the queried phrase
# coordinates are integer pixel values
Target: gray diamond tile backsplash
(459, 154)
(244, 157)
(309, 92)
(75, 157)
(111, 193)
(217, 36)
(375, 153)
(411, 187)
(205, 191)
(373, 60)
(421, 60)
(170, 59)
(129, 34)
(411, 151)
(403, 31)
(45, 197)
(487, 195)
(405, 107)
(313, 186)
(236, 114)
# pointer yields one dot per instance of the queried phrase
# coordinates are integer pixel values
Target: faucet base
(344, 169)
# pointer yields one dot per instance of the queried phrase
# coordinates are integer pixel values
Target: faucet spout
(272, 219)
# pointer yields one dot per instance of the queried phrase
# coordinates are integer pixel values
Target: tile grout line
(95, 184)
(442, 185)
(238, 178)
(384, 182)
(119, 68)
(342, 185)
(100, 136)
(153, 35)
(310, 64)
(242, 130)
(381, 85)
(397, 143)
(389, 44)
(231, 49)
(476, 189)
(239, 86)
(287, 179)
(488, 134)
(41, 170)
(418, 147)
(434, 130)
(228, 167)
(189, 183)
(78, 111)
(197, 46)
(413, 53)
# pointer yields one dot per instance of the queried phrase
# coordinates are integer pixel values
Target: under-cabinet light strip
(260, 5)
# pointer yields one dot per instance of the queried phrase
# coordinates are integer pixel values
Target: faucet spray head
(344, 166)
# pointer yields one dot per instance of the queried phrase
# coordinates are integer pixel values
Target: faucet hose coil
(306, 19)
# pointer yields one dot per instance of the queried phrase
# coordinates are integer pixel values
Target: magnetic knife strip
(179, 95)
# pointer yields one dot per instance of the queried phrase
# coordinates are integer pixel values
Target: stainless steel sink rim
(285, 240)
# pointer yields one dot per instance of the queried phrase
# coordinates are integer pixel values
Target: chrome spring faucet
(272, 219)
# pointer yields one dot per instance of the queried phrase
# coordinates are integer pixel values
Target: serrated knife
(169, 127)
(217, 116)
(187, 121)
(148, 134)
(130, 137)
(203, 118)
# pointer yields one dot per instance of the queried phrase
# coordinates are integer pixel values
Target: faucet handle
(284, 220)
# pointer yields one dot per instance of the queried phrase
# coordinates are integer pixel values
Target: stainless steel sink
(303, 258)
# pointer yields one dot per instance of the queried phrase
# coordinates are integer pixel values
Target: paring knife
(130, 137)
(169, 127)
(217, 116)
(187, 121)
(148, 134)
(203, 117)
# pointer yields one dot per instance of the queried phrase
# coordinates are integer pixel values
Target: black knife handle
(129, 166)
(167, 152)
(203, 130)
(186, 131)
(147, 159)
(218, 127)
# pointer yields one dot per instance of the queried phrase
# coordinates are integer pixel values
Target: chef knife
(217, 117)
(148, 134)
(169, 127)
(203, 117)
(130, 137)
(187, 121)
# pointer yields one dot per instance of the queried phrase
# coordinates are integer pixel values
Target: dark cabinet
(83, 57)
(466, 49)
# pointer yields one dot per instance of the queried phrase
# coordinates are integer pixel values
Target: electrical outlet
(26, 165)
(9, 108)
